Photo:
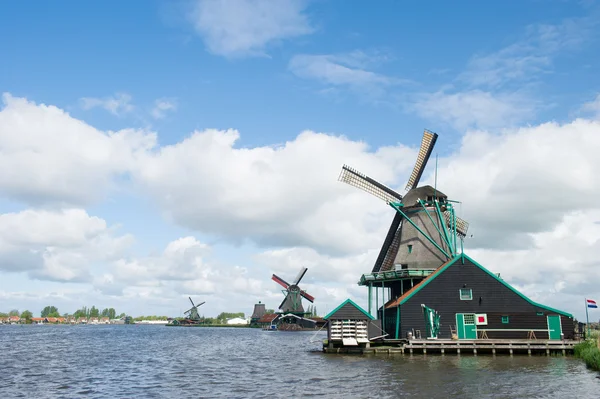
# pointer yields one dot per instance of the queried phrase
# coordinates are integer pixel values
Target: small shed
(351, 325)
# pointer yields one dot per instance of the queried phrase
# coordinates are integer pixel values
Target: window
(466, 294)
(410, 249)
(504, 319)
(540, 313)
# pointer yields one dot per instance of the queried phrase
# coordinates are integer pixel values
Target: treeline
(52, 311)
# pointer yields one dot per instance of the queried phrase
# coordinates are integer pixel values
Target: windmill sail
(462, 226)
(365, 183)
(427, 143)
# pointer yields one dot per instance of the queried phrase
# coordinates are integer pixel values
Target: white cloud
(346, 70)
(50, 157)
(592, 107)
(527, 192)
(530, 56)
(285, 195)
(474, 109)
(32, 242)
(498, 89)
(161, 106)
(246, 27)
(118, 104)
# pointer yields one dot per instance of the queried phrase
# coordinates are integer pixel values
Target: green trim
(350, 301)
(494, 276)
(443, 226)
(463, 297)
(397, 321)
(397, 208)
(505, 319)
(438, 230)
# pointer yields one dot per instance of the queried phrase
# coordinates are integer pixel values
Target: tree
(269, 311)
(50, 311)
(14, 312)
(94, 312)
(27, 315)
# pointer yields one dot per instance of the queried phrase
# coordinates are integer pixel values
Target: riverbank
(589, 352)
(211, 325)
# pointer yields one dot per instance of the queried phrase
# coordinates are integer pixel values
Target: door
(554, 327)
(465, 326)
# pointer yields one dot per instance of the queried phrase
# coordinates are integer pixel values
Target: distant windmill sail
(293, 294)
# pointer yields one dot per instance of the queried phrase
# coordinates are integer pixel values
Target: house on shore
(463, 300)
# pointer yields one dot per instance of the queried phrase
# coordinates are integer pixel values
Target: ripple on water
(156, 361)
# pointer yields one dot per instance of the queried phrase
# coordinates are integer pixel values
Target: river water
(136, 361)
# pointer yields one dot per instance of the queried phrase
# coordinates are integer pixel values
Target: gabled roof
(351, 302)
(408, 294)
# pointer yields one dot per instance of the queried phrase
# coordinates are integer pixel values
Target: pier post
(442, 349)
(457, 348)
(529, 349)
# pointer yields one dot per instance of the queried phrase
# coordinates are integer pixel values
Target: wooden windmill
(193, 315)
(292, 303)
(424, 232)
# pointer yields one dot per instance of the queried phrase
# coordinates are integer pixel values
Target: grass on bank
(589, 352)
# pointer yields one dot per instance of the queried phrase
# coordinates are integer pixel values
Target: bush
(588, 351)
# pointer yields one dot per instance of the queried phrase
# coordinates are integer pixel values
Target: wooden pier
(462, 347)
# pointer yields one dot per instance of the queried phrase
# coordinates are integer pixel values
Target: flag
(591, 303)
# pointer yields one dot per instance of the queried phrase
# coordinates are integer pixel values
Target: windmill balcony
(402, 274)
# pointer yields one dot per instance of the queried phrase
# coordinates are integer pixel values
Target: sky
(155, 150)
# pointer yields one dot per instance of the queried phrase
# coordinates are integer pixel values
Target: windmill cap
(411, 198)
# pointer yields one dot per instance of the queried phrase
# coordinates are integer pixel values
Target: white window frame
(462, 298)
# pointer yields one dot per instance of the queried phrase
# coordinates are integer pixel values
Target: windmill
(424, 231)
(193, 312)
(292, 303)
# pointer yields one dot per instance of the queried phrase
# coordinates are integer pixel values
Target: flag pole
(587, 319)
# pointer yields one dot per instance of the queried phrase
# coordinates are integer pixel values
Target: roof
(351, 302)
(267, 318)
(408, 294)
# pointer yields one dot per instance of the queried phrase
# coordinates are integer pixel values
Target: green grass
(588, 351)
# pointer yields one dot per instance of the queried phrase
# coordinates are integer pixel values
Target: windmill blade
(307, 296)
(280, 281)
(462, 226)
(427, 143)
(389, 241)
(282, 302)
(191, 301)
(300, 275)
(365, 183)
(200, 304)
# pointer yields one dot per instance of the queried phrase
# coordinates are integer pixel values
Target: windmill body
(423, 235)
(292, 303)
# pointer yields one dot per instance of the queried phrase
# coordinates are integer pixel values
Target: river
(137, 361)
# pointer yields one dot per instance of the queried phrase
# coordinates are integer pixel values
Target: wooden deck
(474, 347)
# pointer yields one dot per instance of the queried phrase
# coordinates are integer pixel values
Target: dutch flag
(591, 303)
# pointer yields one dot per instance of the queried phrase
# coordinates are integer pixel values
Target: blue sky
(364, 80)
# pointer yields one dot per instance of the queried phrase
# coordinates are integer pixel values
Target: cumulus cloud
(285, 195)
(246, 27)
(50, 157)
(527, 192)
(57, 245)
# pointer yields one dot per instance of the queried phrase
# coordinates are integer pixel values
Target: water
(131, 361)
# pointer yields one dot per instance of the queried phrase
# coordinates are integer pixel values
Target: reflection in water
(157, 361)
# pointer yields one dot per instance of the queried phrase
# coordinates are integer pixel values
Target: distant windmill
(193, 312)
(292, 303)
